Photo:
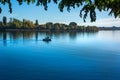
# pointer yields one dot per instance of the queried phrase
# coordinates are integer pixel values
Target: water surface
(69, 56)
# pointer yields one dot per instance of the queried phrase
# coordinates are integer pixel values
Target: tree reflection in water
(38, 36)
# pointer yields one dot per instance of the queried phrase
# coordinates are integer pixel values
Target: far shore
(100, 29)
(40, 30)
(27, 25)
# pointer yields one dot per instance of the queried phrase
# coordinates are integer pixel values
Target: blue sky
(33, 12)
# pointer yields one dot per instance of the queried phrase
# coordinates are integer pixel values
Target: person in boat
(47, 39)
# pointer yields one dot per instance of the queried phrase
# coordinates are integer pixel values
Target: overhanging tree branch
(88, 6)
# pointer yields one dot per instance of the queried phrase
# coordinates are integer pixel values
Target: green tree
(49, 25)
(36, 23)
(42, 27)
(4, 20)
(73, 24)
(88, 6)
(1, 24)
(57, 26)
(15, 24)
(63, 27)
(27, 24)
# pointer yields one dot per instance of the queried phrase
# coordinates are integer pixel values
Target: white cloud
(107, 22)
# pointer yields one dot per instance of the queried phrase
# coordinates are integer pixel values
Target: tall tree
(36, 23)
(4, 20)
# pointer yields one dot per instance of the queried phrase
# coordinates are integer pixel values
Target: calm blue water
(69, 56)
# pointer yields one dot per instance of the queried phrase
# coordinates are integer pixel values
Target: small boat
(47, 39)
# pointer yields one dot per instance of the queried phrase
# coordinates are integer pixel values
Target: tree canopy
(88, 6)
(4, 20)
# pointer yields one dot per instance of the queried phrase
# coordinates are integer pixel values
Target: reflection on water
(38, 36)
(69, 56)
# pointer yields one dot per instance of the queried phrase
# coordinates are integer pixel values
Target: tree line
(14, 23)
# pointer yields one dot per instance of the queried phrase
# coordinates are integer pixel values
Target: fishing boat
(47, 39)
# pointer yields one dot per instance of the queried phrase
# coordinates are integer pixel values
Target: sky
(33, 12)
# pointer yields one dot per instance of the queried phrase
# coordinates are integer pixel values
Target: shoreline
(55, 30)
(44, 30)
